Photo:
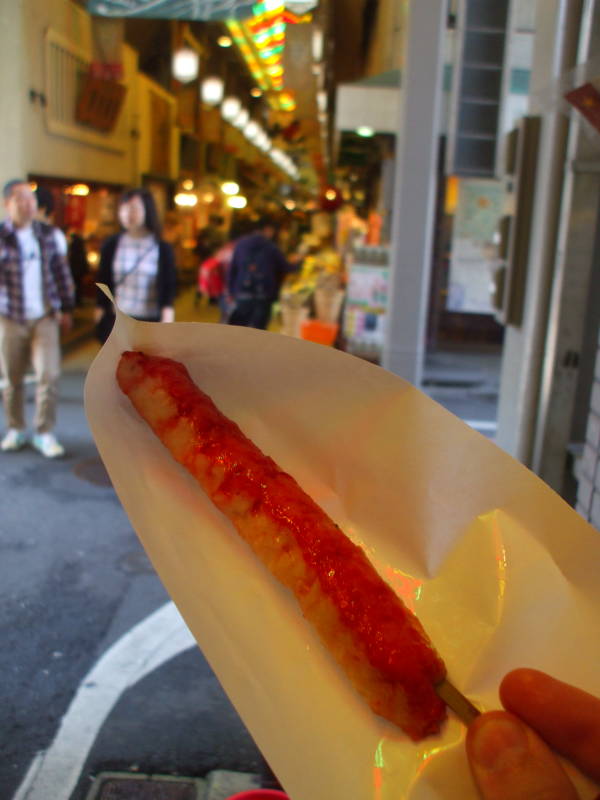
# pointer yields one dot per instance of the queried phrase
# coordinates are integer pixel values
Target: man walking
(36, 298)
(255, 275)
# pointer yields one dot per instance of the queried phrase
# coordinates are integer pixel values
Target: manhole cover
(139, 787)
(93, 471)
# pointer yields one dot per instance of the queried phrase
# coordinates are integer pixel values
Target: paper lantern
(212, 90)
(230, 108)
(185, 64)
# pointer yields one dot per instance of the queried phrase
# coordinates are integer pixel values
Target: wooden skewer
(462, 707)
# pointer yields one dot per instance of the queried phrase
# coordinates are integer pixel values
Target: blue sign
(173, 9)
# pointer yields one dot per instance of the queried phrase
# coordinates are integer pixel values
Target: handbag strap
(132, 269)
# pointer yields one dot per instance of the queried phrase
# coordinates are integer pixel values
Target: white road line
(54, 772)
(481, 424)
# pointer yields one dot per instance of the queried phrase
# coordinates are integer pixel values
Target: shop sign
(99, 103)
(473, 258)
(365, 313)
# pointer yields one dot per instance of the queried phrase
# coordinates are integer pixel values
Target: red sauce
(389, 633)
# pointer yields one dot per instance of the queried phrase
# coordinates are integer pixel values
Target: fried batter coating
(374, 637)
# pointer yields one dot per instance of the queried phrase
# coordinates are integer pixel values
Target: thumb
(510, 762)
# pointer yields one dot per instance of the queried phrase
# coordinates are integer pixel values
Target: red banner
(75, 206)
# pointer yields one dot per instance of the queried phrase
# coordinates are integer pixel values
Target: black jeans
(251, 313)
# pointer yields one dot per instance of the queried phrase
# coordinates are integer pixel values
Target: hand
(509, 751)
(65, 321)
(167, 314)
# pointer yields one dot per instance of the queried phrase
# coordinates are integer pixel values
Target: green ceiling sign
(173, 9)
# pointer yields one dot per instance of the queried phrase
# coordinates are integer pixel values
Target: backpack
(256, 275)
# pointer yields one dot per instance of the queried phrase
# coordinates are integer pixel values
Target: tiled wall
(588, 489)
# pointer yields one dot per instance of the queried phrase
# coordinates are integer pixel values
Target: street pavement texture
(74, 580)
(89, 686)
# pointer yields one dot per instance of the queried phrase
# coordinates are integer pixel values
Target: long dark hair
(151, 220)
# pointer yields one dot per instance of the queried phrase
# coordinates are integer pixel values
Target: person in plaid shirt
(36, 299)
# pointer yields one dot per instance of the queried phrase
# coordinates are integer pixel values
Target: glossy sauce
(385, 629)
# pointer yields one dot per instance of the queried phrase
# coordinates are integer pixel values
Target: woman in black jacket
(137, 266)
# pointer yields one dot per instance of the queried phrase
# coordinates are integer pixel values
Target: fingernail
(498, 743)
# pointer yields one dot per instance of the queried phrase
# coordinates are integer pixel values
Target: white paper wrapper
(501, 572)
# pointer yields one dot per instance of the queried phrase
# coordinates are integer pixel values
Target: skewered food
(374, 637)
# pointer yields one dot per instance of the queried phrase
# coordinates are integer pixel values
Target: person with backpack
(256, 272)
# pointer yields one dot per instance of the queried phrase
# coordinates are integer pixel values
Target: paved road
(74, 582)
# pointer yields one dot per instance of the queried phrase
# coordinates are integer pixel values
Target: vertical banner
(107, 41)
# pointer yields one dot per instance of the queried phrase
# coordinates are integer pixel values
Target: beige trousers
(36, 342)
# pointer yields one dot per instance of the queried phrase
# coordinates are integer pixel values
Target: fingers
(568, 719)
(510, 762)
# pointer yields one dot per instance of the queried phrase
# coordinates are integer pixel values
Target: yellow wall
(36, 139)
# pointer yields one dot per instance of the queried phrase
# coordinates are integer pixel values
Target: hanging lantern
(212, 90)
(185, 200)
(252, 130)
(241, 118)
(237, 201)
(230, 188)
(230, 108)
(185, 65)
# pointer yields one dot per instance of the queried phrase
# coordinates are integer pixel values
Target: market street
(99, 672)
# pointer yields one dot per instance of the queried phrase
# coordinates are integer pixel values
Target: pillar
(415, 188)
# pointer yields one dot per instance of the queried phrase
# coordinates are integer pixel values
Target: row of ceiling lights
(185, 69)
(188, 198)
(233, 112)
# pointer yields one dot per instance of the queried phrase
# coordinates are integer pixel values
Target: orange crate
(317, 331)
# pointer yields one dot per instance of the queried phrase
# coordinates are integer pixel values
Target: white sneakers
(13, 440)
(46, 443)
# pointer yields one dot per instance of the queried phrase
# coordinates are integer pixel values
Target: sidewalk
(467, 384)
